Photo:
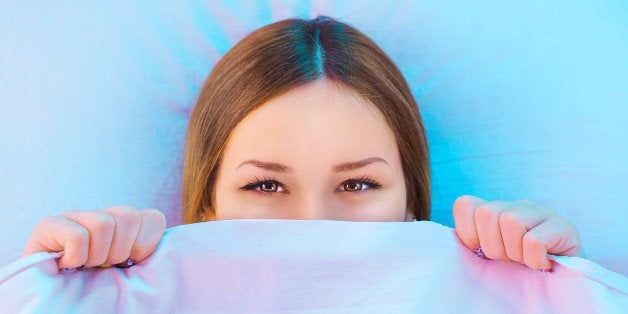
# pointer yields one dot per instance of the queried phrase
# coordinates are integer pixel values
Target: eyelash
(370, 182)
(255, 185)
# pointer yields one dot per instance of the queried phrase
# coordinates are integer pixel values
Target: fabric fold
(269, 266)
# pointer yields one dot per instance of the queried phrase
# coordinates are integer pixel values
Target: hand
(521, 230)
(94, 237)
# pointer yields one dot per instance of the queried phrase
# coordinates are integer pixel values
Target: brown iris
(353, 186)
(268, 187)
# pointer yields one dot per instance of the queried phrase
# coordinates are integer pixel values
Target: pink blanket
(313, 266)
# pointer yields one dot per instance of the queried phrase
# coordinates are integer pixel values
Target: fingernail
(126, 264)
(549, 269)
(479, 253)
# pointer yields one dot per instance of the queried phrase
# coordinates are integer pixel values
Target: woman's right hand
(91, 238)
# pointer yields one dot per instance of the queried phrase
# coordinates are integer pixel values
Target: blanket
(270, 266)
(521, 100)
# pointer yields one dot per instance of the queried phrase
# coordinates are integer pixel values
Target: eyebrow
(267, 165)
(348, 166)
(343, 167)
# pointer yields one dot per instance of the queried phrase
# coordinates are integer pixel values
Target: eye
(358, 185)
(352, 186)
(268, 186)
(264, 186)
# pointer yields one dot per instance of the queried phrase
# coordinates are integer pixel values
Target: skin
(317, 152)
(522, 231)
(94, 237)
(318, 134)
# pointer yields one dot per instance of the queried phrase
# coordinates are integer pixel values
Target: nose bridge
(312, 205)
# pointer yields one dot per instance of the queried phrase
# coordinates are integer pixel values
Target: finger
(100, 226)
(567, 242)
(486, 217)
(57, 233)
(554, 236)
(152, 228)
(127, 225)
(463, 210)
(515, 222)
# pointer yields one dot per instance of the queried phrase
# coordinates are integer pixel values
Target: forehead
(322, 119)
(319, 99)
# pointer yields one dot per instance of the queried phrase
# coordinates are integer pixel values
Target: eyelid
(255, 184)
(370, 182)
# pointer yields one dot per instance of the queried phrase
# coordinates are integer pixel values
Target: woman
(306, 120)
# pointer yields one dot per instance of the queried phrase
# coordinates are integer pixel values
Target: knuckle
(49, 220)
(79, 235)
(124, 214)
(532, 242)
(462, 199)
(462, 203)
(103, 222)
(548, 211)
(484, 212)
(120, 210)
(68, 213)
(508, 218)
(564, 221)
(153, 214)
(155, 220)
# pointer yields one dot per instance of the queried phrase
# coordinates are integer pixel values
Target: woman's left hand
(520, 230)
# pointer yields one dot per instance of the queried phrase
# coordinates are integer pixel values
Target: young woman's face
(317, 152)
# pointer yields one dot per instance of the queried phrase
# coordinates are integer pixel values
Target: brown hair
(277, 58)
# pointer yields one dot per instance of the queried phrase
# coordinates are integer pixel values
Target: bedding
(318, 266)
(521, 100)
